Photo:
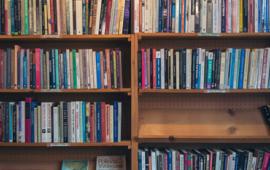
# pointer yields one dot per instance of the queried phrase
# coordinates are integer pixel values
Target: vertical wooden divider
(134, 102)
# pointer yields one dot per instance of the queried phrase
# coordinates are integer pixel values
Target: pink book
(107, 118)
(154, 69)
(143, 68)
(234, 15)
(227, 16)
(28, 101)
(37, 59)
(266, 158)
(250, 17)
(103, 122)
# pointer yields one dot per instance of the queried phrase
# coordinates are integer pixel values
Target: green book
(74, 165)
(57, 69)
(74, 69)
(26, 18)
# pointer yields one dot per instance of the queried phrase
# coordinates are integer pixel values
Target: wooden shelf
(69, 145)
(142, 36)
(203, 125)
(196, 91)
(64, 37)
(120, 90)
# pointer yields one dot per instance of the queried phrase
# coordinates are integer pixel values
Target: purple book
(126, 17)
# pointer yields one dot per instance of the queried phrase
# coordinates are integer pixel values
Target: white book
(115, 20)
(202, 64)
(215, 16)
(252, 67)
(254, 163)
(227, 69)
(236, 15)
(267, 68)
(91, 66)
(171, 68)
(246, 72)
(157, 15)
(136, 16)
(55, 124)
(182, 162)
(146, 15)
(79, 30)
(187, 16)
(49, 122)
(222, 70)
(191, 18)
(80, 122)
(143, 160)
(78, 70)
(111, 123)
(177, 70)
(229, 24)
(259, 68)
(218, 160)
(236, 69)
(150, 16)
(71, 17)
(176, 30)
(112, 22)
(250, 159)
(98, 17)
(256, 16)
(188, 68)
(94, 63)
(44, 122)
(233, 160)
(162, 69)
(87, 68)
(119, 121)
(173, 159)
(203, 15)
(154, 160)
(77, 121)
(58, 17)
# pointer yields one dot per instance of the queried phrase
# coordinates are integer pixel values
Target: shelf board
(203, 125)
(120, 90)
(64, 37)
(202, 36)
(205, 91)
(69, 145)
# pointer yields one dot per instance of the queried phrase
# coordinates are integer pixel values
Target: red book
(154, 69)
(37, 62)
(92, 123)
(28, 102)
(108, 16)
(108, 69)
(250, 17)
(107, 119)
(143, 68)
(52, 15)
(266, 158)
(103, 122)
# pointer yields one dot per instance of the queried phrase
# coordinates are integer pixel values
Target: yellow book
(46, 19)
(241, 16)
(49, 17)
(121, 8)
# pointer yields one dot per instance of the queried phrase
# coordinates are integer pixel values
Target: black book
(6, 139)
(213, 71)
(140, 69)
(2, 8)
(50, 71)
(43, 16)
(112, 70)
(245, 16)
(205, 69)
(223, 16)
(102, 14)
(14, 123)
(65, 122)
(197, 16)
(214, 161)
(165, 15)
(55, 17)
(193, 68)
(217, 73)
(166, 69)
(180, 69)
(183, 68)
(169, 22)
(151, 67)
(174, 69)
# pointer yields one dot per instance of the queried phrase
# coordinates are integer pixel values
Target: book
(111, 163)
(75, 165)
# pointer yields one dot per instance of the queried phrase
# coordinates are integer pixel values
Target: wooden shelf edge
(66, 37)
(216, 139)
(201, 35)
(68, 145)
(194, 91)
(120, 90)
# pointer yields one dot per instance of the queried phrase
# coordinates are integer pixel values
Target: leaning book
(111, 163)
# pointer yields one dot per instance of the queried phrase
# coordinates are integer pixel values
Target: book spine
(115, 121)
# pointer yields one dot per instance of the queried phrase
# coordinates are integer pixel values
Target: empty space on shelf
(202, 117)
(50, 159)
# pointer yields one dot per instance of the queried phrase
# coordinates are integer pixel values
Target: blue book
(197, 85)
(185, 17)
(259, 15)
(84, 16)
(32, 118)
(231, 70)
(12, 17)
(53, 70)
(98, 121)
(236, 160)
(241, 69)
(172, 13)
(158, 72)
(267, 16)
(56, 69)
(10, 124)
(140, 160)
(209, 70)
(169, 154)
(83, 121)
(199, 77)
(160, 16)
(65, 70)
(21, 68)
(98, 70)
(115, 121)
(25, 68)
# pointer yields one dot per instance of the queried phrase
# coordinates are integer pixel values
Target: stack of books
(60, 68)
(231, 159)
(54, 17)
(204, 16)
(204, 69)
(31, 121)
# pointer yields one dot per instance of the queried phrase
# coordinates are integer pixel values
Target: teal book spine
(26, 17)
(56, 69)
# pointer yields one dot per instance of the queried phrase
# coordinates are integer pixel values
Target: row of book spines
(170, 159)
(55, 69)
(31, 122)
(202, 16)
(65, 17)
(202, 69)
